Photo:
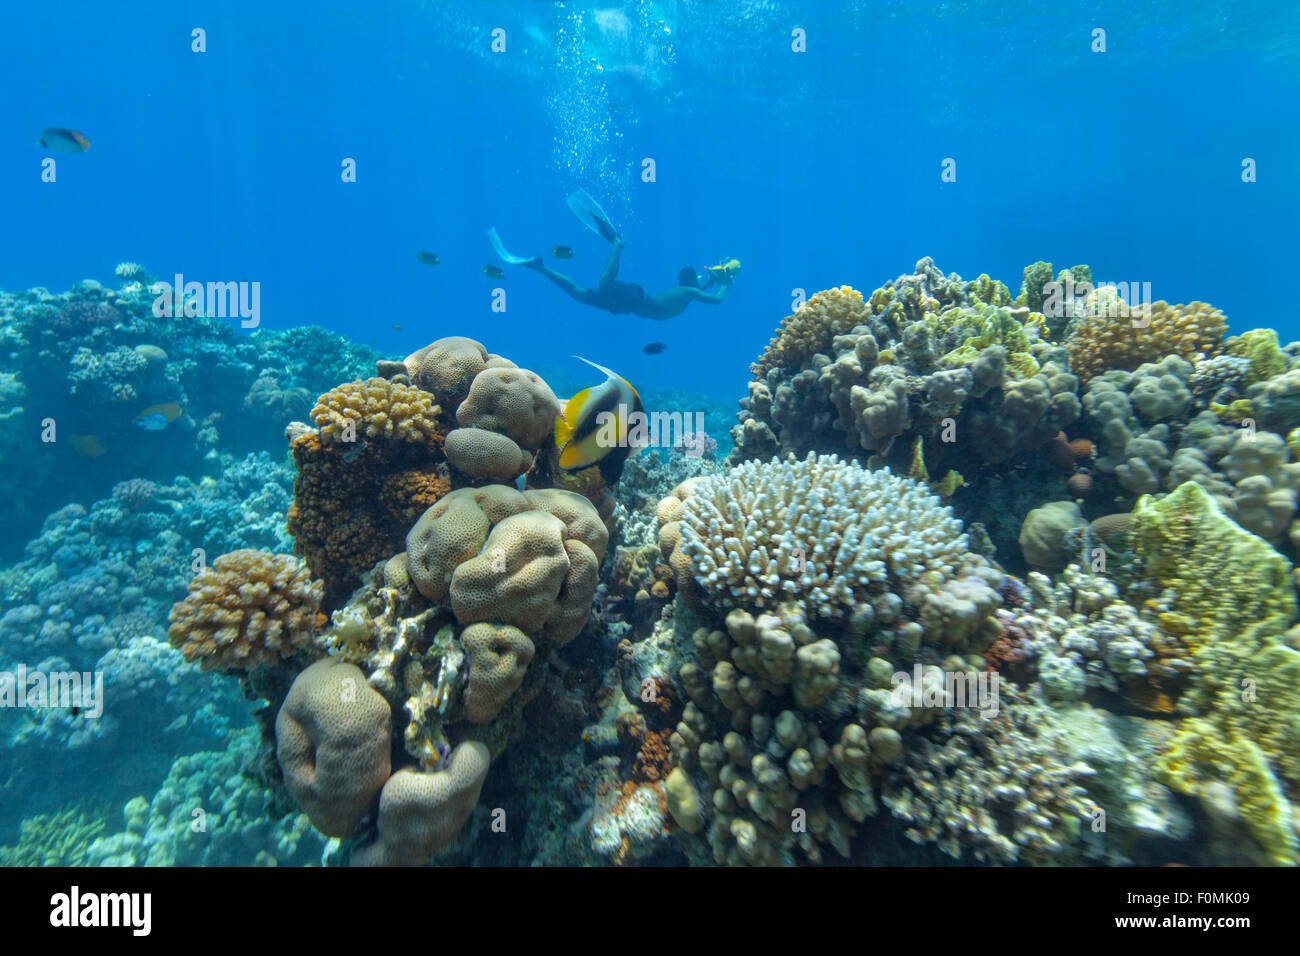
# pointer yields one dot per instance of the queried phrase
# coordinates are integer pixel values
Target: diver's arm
(712, 298)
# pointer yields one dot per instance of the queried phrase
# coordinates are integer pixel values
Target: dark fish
(562, 252)
(494, 272)
(428, 258)
(654, 348)
(396, 327)
(64, 140)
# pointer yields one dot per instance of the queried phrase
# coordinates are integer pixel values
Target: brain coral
(375, 408)
(499, 656)
(249, 609)
(332, 736)
(526, 558)
(421, 813)
(446, 367)
(480, 453)
(820, 531)
(1101, 341)
(512, 401)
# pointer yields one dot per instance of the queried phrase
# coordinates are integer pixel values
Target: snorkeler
(619, 297)
(615, 296)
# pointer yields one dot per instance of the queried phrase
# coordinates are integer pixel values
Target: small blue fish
(152, 423)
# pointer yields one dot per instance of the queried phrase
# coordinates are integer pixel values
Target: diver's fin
(591, 215)
(506, 257)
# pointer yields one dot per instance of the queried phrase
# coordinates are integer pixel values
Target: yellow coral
(1260, 347)
(812, 329)
(1105, 340)
(1229, 598)
(375, 408)
(249, 609)
(1200, 753)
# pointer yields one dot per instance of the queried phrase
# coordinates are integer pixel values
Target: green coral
(1228, 597)
(1036, 276)
(1200, 753)
(1228, 586)
(54, 839)
(982, 327)
(1260, 347)
(990, 291)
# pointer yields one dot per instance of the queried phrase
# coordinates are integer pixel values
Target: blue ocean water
(820, 144)
(815, 169)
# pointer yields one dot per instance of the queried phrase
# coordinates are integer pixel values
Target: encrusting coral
(250, 609)
(1228, 597)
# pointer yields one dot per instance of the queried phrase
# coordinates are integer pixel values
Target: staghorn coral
(250, 609)
(375, 409)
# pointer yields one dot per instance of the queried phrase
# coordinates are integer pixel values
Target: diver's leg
(585, 296)
(611, 264)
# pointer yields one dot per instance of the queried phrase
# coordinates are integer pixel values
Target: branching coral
(249, 609)
(1102, 340)
(375, 408)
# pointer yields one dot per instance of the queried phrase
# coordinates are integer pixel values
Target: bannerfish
(494, 272)
(87, 446)
(64, 140)
(584, 441)
(654, 348)
(428, 258)
(157, 417)
(562, 252)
